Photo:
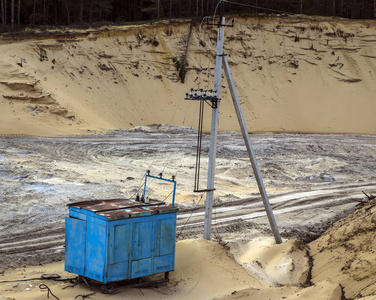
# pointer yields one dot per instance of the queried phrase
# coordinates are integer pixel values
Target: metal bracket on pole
(251, 153)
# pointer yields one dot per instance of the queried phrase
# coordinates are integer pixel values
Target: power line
(258, 7)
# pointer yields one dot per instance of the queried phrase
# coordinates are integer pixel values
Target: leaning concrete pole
(251, 153)
(214, 131)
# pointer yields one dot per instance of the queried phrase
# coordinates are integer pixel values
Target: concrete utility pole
(220, 57)
(214, 131)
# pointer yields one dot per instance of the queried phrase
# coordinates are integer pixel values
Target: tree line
(17, 14)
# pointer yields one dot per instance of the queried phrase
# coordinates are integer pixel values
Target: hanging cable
(202, 97)
(54, 277)
(199, 146)
(186, 222)
(43, 286)
(215, 10)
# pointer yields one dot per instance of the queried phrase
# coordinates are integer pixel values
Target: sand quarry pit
(313, 181)
(64, 97)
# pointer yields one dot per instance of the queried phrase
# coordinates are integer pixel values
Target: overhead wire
(150, 182)
(199, 85)
(257, 7)
(194, 114)
(199, 50)
(173, 116)
(201, 102)
(139, 188)
(200, 106)
(186, 112)
(201, 111)
(210, 50)
(168, 125)
(210, 37)
(164, 200)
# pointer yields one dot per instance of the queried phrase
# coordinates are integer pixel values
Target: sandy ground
(339, 264)
(203, 270)
(312, 181)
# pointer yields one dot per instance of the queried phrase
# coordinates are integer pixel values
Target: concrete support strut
(221, 58)
(251, 153)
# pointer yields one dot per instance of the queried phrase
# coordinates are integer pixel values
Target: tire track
(225, 214)
(41, 174)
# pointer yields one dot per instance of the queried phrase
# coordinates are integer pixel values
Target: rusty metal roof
(114, 209)
(110, 204)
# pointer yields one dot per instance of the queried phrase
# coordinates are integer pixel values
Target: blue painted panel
(95, 251)
(166, 232)
(96, 220)
(164, 263)
(119, 222)
(141, 268)
(118, 271)
(77, 215)
(75, 232)
(143, 239)
(112, 250)
(89, 213)
(120, 243)
(74, 208)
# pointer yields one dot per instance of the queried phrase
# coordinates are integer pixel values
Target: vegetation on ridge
(88, 12)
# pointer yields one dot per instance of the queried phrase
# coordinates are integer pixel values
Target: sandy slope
(343, 258)
(294, 74)
(346, 253)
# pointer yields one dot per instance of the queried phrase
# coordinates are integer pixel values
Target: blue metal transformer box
(118, 239)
